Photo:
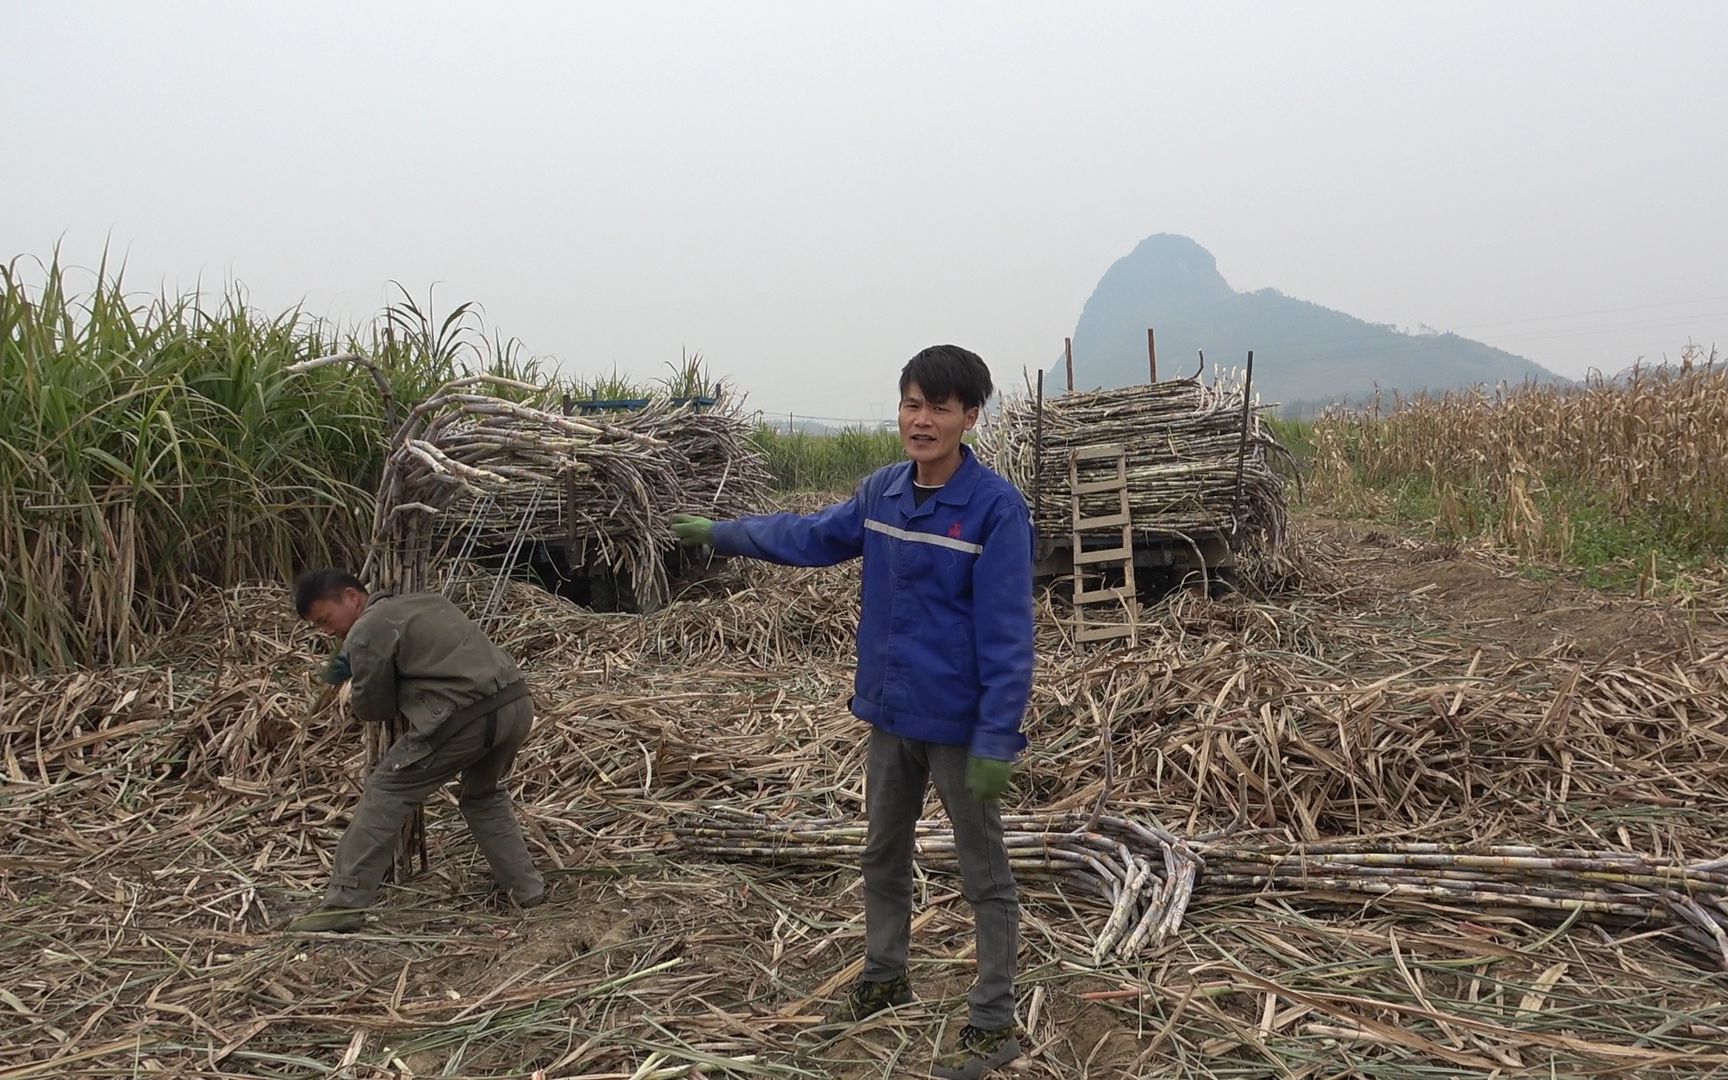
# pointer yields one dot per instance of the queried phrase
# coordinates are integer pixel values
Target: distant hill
(1303, 353)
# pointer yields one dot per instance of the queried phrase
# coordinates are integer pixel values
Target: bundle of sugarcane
(1199, 457)
(1606, 885)
(1143, 873)
(721, 472)
(475, 470)
(1148, 874)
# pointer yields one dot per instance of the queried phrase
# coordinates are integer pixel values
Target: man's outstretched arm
(821, 539)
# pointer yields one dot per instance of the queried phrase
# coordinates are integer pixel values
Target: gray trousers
(398, 785)
(899, 773)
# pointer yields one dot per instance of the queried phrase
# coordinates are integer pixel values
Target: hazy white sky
(808, 193)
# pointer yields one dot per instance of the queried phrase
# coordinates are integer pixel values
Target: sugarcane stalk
(1148, 883)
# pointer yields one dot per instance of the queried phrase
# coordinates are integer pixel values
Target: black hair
(327, 584)
(948, 371)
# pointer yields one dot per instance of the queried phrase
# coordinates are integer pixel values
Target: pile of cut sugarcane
(163, 819)
(1143, 872)
(1199, 457)
(1148, 875)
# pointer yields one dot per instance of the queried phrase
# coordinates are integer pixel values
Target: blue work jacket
(945, 634)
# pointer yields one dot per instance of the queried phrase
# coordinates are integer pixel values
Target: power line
(1437, 340)
(1613, 328)
(771, 415)
(1593, 314)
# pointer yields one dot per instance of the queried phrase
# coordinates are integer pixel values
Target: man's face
(336, 615)
(931, 430)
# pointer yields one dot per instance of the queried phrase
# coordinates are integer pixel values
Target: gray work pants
(398, 785)
(899, 773)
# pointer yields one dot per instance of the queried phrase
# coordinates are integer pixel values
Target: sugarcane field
(1350, 747)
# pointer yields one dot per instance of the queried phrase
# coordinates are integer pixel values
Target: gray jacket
(419, 656)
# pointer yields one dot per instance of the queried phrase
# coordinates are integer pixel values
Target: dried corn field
(1426, 820)
(1648, 445)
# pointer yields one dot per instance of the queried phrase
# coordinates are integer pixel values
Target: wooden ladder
(1090, 565)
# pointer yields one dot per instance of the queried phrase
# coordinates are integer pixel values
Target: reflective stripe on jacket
(946, 627)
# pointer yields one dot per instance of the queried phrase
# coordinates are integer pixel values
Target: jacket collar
(956, 492)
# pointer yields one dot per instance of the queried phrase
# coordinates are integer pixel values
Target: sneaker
(866, 999)
(327, 920)
(978, 1052)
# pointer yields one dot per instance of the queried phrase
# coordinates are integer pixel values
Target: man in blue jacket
(944, 674)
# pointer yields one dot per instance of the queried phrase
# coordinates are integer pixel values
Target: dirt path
(1484, 597)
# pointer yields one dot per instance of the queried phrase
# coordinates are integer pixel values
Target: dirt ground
(1484, 595)
(140, 897)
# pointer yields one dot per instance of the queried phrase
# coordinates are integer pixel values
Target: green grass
(1603, 548)
(1296, 436)
(802, 461)
(1612, 550)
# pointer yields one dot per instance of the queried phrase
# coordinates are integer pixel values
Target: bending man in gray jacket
(467, 711)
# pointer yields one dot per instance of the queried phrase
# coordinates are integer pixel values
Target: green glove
(692, 531)
(337, 671)
(988, 778)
